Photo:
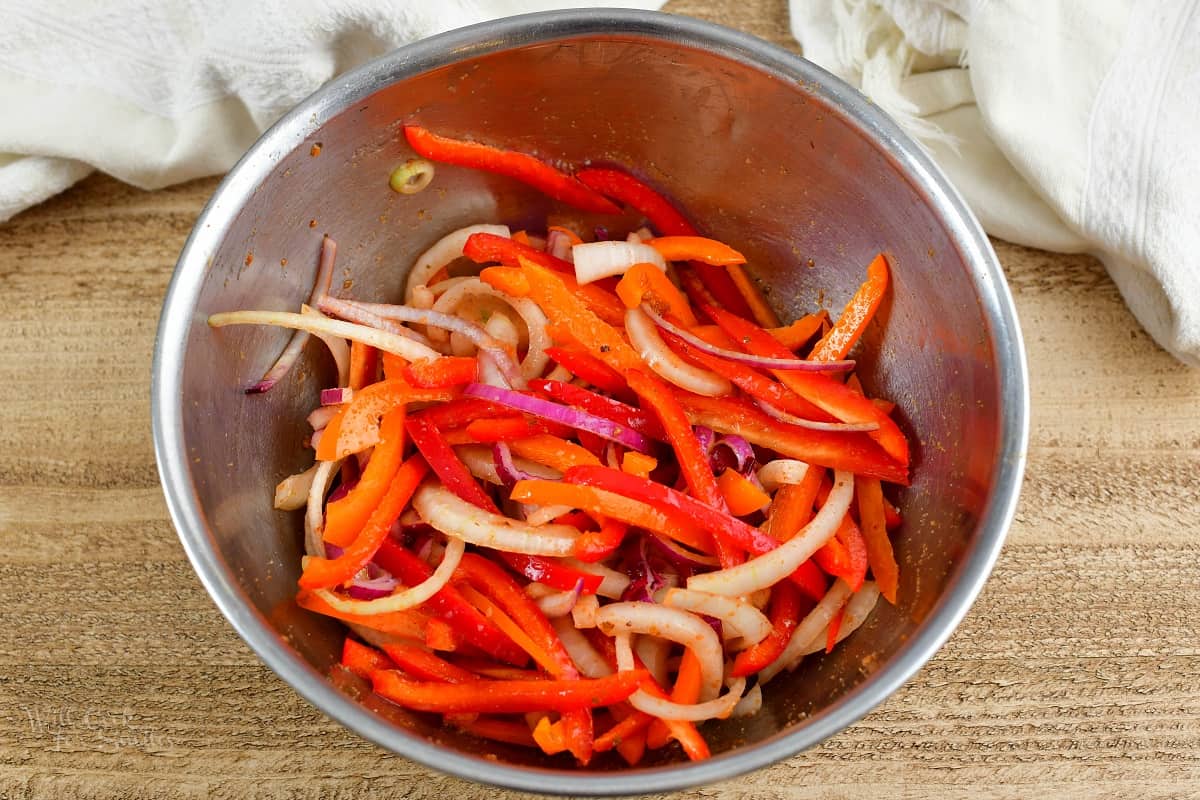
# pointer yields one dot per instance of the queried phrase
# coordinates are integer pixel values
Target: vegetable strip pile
(593, 493)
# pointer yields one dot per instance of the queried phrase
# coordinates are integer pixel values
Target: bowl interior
(760, 159)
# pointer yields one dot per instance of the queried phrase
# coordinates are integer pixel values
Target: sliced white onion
(643, 334)
(558, 244)
(542, 515)
(750, 703)
(809, 628)
(337, 346)
(589, 662)
(858, 608)
(292, 491)
(717, 708)
(596, 260)
(681, 627)
(553, 602)
(774, 566)
(613, 584)
(388, 342)
(445, 250)
(561, 374)
(404, 598)
(654, 653)
(455, 517)
(531, 314)
(320, 416)
(482, 464)
(314, 515)
(738, 617)
(584, 612)
(774, 474)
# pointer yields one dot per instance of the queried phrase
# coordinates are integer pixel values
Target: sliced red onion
(333, 551)
(371, 588)
(564, 415)
(601, 233)
(646, 579)
(420, 316)
(341, 491)
(740, 452)
(333, 397)
(758, 362)
(800, 422)
(680, 556)
(506, 468)
(295, 345)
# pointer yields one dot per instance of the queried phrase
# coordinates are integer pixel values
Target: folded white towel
(155, 92)
(1074, 128)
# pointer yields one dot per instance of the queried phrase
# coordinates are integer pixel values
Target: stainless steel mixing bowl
(769, 153)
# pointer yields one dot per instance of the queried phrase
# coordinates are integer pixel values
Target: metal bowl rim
(179, 311)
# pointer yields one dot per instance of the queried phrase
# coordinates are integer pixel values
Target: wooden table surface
(1076, 674)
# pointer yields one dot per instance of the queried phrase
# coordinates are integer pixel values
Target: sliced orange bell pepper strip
(633, 724)
(357, 427)
(549, 736)
(322, 573)
(553, 451)
(792, 336)
(686, 691)
(591, 369)
(515, 283)
(364, 362)
(408, 624)
(438, 373)
(742, 496)
(593, 546)
(696, 248)
(792, 507)
(845, 555)
(880, 554)
(507, 697)
(763, 313)
(345, 517)
(856, 316)
(646, 283)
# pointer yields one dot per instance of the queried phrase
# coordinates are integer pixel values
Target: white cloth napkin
(1071, 125)
(155, 92)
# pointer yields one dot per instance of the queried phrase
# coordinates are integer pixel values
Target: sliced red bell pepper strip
(706, 285)
(322, 573)
(749, 380)
(424, 665)
(593, 546)
(499, 730)
(856, 316)
(485, 248)
(835, 625)
(452, 413)
(363, 660)
(880, 554)
(845, 555)
(440, 636)
(493, 581)
(346, 516)
(792, 507)
(450, 606)
(551, 572)
(437, 373)
(625, 188)
(593, 370)
(520, 166)
(784, 613)
(506, 429)
(820, 390)
(696, 248)
(853, 452)
(449, 468)
(507, 697)
(629, 416)
(693, 461)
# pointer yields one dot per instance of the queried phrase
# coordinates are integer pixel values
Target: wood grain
(1076, 674)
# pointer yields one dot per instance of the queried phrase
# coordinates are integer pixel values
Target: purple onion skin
(367, 592)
